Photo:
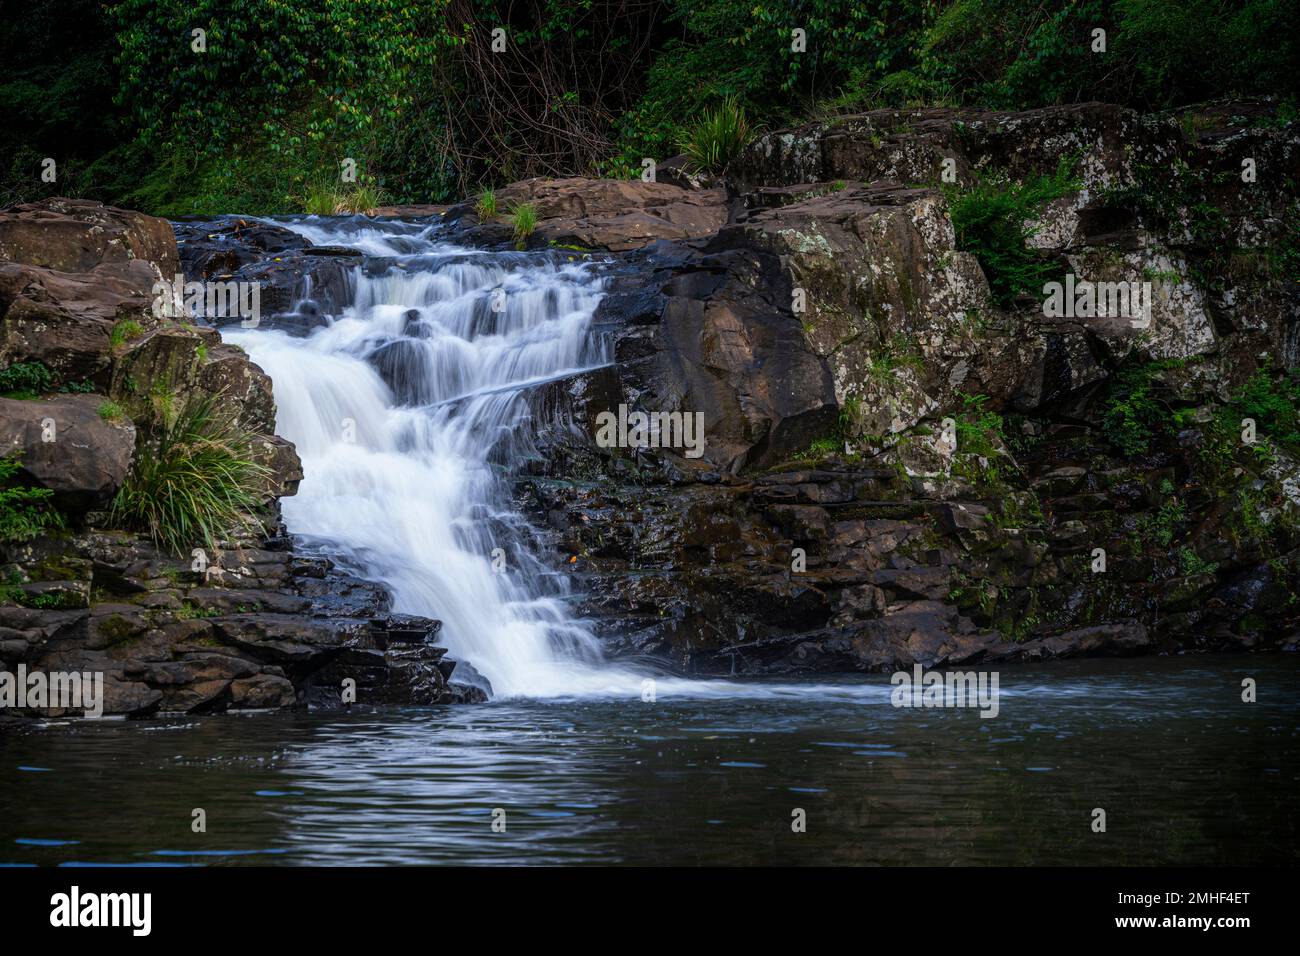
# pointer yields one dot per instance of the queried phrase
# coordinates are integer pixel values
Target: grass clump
(124, 330)
(195, 484)
(990, 221)
(524, 219)
(322, 199)
(25, 512)
(111, 411)
(718, 136)
(486, 207)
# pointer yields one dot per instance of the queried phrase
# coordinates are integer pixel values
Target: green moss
(190, 611)
(117, 629)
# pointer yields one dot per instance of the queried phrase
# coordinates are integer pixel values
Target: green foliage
(523, 218)
(1162, 526)
(1193, 564)
(56, 94)
(1272, 401)
(486, 207)
(124, 330)
(990, 221)
(288, 89)
(742, 49)
(111, 411)
(1179, 47)
(979, 429)
(981, 437)
(194, 483)
(25, 512)
(1160, 53)
(25, 380)
(717, 137)
(323, 71)
(1131, 416)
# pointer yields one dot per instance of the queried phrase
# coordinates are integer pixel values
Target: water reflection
(1186, 772)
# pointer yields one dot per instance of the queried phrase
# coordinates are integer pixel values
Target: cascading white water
(396, 408)
(407, 408)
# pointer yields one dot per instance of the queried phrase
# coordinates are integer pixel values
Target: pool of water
(1186, 772)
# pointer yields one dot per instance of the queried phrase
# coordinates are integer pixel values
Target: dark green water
(1186, 772)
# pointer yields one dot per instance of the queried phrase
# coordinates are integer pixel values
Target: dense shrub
(416, 94)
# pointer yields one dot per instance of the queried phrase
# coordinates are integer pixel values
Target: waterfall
(409, 408)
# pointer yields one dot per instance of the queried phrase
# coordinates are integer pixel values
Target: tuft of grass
(319, 200)
(25, 512)
(25, 380)
(111, 411)
(718, 136)
(195, 483)
(124, 330)
(486, 207)
(364, 200)
(524, 219)
(322, 199)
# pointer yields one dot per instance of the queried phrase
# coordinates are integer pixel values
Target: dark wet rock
(65, 320)
(1104, 640)
(794, 557)
(66, 446)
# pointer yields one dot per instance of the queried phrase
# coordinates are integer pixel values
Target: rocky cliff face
(906, 464)
(245, 625)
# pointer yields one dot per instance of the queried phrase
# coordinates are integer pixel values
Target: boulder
(78, 235)
(612, 214)
(65, 445)
(65, 320)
